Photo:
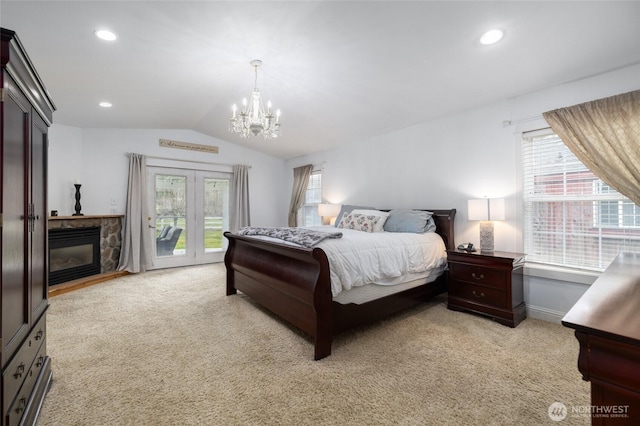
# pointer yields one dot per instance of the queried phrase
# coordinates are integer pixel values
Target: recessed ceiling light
(105, 104)
(492, 36)
(105, 35)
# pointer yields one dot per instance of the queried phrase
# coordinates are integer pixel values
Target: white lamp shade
(496, 209)
(486, 209)
(478, 209)
(328, 210)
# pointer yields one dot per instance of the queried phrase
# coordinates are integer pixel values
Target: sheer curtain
(300, 182)
(605, 135)
(135, 255)
(240, 215)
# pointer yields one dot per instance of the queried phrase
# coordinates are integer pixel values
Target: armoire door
(39, 235)
(15, 213)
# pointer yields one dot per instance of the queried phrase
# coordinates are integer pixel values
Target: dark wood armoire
(26, 111)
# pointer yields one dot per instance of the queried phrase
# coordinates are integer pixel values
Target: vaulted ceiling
(339, 71)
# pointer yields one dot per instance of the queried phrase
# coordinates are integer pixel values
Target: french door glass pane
(216, 198)
(171, 208)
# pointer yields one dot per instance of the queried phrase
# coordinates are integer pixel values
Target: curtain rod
(507, 123)
(320, 164)
(186, 161)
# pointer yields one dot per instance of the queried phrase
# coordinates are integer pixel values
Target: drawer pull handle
(40, 361)
(477, 277)
(479, 296)
(19, 371)
(39, 335)
(21, 405)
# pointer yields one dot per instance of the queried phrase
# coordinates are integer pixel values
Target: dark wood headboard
(444, 220)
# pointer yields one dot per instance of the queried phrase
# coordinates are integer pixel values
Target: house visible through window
(571, 217)
(313, 196)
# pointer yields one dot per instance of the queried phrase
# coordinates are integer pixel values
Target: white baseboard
(545, 314)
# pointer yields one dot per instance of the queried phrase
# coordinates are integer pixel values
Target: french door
(189, 212)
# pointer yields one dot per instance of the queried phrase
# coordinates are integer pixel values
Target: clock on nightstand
(487, 283)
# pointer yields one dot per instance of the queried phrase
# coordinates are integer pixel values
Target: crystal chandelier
(253, 120)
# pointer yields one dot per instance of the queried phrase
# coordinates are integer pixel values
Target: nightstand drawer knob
(477, 277)
(479, 296)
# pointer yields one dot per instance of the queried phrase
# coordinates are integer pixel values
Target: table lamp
(486, 210)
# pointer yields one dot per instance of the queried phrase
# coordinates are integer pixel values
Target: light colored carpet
(169, 348)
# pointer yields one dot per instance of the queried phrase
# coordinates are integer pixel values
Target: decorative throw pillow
(416, 221)
(346, 209)
(359, 222)
(382, 217)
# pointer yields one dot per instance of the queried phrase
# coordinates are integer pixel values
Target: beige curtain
(300, 182)
(239, 198)
(605, 135)
(135, 255)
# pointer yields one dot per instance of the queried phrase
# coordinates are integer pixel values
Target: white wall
(97, 157)
(64, 167)
(445, 162)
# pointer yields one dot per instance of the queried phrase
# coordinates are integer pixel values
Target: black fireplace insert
(73, 253)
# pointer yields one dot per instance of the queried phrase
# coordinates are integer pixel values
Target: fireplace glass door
(73, 253)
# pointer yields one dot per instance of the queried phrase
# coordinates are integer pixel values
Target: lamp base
(486, 236)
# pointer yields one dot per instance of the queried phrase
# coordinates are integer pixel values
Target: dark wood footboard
(291, 282)
(294, 283)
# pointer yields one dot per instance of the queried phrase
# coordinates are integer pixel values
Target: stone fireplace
(72, 235)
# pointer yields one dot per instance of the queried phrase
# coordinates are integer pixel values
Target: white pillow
(379, 226)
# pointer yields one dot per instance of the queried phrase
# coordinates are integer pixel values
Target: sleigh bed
(294, 283)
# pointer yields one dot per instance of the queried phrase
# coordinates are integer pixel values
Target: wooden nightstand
(489, 284)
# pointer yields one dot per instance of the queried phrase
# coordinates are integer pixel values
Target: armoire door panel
(15, 321)
(39, 270)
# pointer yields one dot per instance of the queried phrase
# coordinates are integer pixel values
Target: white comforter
(360, 258)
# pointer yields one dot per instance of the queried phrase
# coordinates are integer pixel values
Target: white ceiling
(339, 71)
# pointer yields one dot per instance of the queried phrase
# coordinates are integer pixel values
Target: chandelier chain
(255, 81)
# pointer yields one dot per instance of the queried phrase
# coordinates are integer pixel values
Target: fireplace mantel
(90, 216)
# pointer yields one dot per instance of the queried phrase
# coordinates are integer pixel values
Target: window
(571, 217)
(309, 210)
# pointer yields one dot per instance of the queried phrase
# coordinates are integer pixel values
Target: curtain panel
(300, 182)
(240, 212)
(136, 253)
(605, 135)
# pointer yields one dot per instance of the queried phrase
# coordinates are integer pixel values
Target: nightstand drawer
(478, 275)
(479, 294)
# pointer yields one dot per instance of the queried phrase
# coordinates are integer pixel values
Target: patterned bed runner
(304, 237)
